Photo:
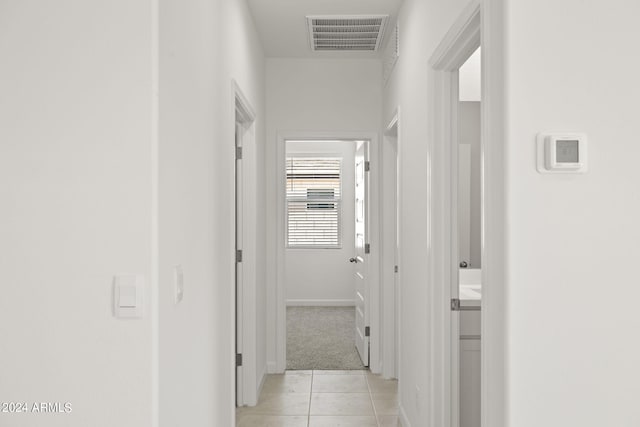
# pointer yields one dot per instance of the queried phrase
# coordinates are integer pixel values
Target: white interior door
(362, 249)
(238, 248)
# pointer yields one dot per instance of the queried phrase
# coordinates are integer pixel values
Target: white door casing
(390, 256)
(276, 334)
(462, 39)
(361, 264)
(246, 375)
(238, 249)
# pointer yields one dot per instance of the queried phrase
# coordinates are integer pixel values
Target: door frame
(390, 257)
(459, 43)
(362, 267)
(278, 337)
(245, 308)
(481, 23)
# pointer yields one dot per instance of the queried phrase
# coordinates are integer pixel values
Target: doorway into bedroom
(324, 260)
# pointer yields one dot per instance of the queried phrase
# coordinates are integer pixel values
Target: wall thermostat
(562, 152)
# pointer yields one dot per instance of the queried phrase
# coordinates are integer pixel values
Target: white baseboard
(271, 368)
(321, 302)
(263, 376)
(404, 421)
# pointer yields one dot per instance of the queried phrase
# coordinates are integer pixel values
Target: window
(313, 200)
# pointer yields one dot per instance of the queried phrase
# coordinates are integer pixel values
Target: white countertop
(470, 286)
(470, 295)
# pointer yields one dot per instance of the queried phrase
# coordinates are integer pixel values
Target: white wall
(573, 240)
(75, 209)
(203, 46)
(325, 276)
(564, 354)
(95, 184)
(326, 95)
(390, 257)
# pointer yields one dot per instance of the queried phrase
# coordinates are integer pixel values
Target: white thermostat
(562, 152)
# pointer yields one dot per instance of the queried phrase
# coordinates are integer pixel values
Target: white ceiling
(283, 28)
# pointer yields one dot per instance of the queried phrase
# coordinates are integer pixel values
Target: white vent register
(347, 32)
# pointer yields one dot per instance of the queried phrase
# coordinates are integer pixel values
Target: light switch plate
(178, 281)
(128, 296)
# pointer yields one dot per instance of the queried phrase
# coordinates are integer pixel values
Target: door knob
(353, 259)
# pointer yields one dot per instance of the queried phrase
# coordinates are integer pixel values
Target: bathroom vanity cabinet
(470, 342)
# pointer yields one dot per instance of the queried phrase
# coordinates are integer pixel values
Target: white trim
(399, 186)
(389, 307)
(242, 105)
(454, 331)
(155, 213)
(462, 39)
(262, 377)
(393, 122)
(244, 117)
(495, 367)
(281, 322)
(320, 302)
(458, 44)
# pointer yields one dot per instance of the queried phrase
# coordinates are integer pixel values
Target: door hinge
(455, 304)
(238, 153)
(395, 268)
(367, 331)
(367, 166)
(367, 248)
(238, 359)
(239, 255)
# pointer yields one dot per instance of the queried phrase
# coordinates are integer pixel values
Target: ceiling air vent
(352, 32)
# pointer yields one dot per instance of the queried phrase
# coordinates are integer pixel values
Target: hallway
(143, 217)
(323, 398)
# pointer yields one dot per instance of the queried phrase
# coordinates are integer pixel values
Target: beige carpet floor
(321, 338)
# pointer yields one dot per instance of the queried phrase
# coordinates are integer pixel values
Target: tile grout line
(310, 397)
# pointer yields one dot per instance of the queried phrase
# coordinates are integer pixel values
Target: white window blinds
(313, 202)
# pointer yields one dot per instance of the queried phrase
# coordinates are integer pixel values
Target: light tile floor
(323, 399)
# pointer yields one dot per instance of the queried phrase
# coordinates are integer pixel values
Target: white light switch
(128, 292)
(127, 296)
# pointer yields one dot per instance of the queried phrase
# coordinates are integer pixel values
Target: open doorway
(457, 109)
(324, 227)
(469, 232)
